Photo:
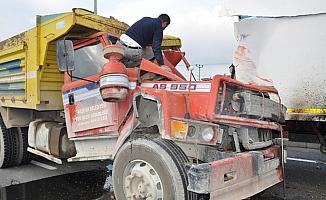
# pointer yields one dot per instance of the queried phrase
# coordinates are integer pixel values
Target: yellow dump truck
(30, 83)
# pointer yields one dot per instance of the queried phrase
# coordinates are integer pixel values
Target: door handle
(71, 99)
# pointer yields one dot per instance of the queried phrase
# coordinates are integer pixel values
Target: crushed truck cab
(229, 134)
(169, 137)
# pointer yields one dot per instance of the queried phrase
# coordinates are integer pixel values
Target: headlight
(207, 134)
(194, 131)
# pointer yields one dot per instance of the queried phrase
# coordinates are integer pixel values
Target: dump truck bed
(28, 70)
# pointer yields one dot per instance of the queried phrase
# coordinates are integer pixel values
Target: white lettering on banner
(90, 116)
(90, 108)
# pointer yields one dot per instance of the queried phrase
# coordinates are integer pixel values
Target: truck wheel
(8, 146)
(24, 155)
(150, 169)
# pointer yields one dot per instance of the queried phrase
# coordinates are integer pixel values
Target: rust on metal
(12, 42)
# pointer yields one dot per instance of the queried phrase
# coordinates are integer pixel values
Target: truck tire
(8, 146)
(179, 157)
(24, 156)
(3, 193)
(150, 168)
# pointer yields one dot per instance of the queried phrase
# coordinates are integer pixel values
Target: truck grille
(235, 101)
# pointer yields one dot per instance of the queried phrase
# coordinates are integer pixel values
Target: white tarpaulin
(290, 51)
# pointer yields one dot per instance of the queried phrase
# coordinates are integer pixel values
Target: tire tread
(8, 140)
(180, 159)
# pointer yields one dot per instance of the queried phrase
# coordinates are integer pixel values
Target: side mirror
(65, 55)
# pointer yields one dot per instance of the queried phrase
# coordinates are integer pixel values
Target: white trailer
(283, 43)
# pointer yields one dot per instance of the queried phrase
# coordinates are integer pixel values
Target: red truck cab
(169, 137)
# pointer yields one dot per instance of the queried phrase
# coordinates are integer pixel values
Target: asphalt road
(305, 179)
(41, 168)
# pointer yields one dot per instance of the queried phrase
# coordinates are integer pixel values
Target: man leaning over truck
(143, 40)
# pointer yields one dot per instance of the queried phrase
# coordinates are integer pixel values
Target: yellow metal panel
(11, 50)
(11, 101)
(50, 86)
(49, 100)
(171, 41)
(13, 42)
(12, 57)
(307, 110)
(51, 62)
(32, 82)
(12, 75)
(52, 30)
(99, 23)
(19, 55)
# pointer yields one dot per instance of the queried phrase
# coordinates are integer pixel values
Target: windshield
(89, 60)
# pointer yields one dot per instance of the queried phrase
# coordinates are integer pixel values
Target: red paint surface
(242, 166)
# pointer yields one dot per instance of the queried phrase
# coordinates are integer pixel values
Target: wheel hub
(141, 182)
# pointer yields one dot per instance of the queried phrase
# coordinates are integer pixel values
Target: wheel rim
(141, 181)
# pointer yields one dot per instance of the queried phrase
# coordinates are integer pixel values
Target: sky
(207, 38)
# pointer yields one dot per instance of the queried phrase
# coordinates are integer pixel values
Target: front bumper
(237, 177)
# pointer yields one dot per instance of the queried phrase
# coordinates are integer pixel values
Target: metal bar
(223, 98)
(95, 6)
(44, 155)
(245, 122)
(283, 161)
(185, 61)
(43, 165)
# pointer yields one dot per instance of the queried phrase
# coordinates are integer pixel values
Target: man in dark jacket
(143, 40)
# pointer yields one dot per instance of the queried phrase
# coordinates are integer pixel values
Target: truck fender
(139, 116)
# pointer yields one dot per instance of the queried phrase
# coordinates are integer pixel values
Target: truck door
(85, 111)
